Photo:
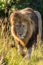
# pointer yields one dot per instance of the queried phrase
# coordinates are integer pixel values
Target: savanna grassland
(8, 54)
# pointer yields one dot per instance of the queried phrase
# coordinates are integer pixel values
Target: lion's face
(22, 26)
(21, 29)
(18, 20)
(20, 23)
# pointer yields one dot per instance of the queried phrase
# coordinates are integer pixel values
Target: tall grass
(10, 56)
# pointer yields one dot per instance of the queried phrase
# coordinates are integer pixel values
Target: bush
(19, 4)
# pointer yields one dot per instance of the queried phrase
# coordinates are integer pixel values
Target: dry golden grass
(9, 56)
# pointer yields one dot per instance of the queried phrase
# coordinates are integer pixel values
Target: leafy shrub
(19, 4)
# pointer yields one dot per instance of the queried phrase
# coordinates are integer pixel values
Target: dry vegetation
(9, 55)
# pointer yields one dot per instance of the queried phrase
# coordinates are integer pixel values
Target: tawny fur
(25, 19)
(33, 21)
(32, 24)
(39, 36)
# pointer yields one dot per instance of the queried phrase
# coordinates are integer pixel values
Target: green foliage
(19, 4)
(12, 57)
(11, 5)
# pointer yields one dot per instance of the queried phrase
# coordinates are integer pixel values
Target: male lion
(26, 27)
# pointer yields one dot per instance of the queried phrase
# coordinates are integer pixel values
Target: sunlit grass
(10, 56)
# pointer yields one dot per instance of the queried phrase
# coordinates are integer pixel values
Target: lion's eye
(23, 26)
(4, 23)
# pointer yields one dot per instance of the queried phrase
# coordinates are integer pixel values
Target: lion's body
(26, 28)
(29, 19)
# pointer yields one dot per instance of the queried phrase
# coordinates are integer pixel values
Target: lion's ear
(16, 14)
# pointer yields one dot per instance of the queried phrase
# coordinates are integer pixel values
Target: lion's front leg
(18, 47)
